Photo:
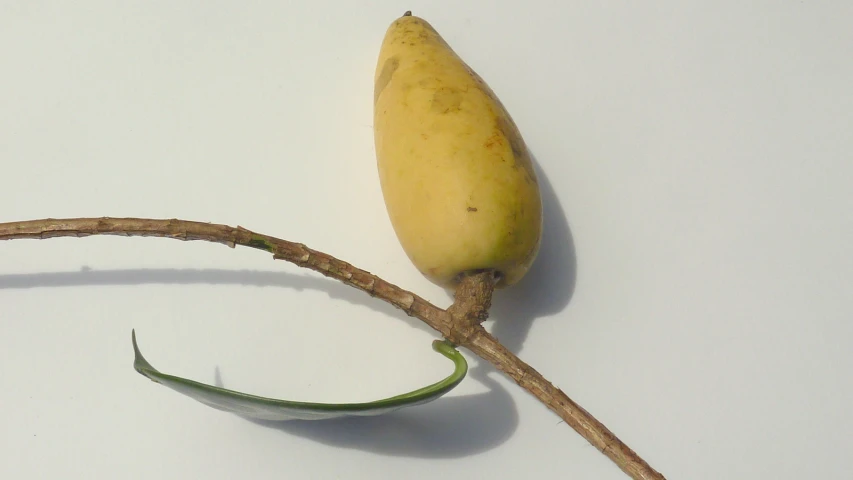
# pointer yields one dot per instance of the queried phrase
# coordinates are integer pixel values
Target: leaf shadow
(452, 426)
(548, 286)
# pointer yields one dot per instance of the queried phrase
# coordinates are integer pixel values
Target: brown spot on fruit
(494, 140)
(446, 100)
(510, 132)
(519, 150)
(388, 68)
(472, 209)
(506, 129)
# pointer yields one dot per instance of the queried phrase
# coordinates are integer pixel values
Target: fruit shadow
(548, 286)
(452, 426)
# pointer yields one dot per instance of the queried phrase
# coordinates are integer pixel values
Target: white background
(694, 291)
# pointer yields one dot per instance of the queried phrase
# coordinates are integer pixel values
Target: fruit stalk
(460, 323)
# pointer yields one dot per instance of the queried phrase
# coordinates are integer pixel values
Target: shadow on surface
(452, 426)
(548, 286)
(208, 276)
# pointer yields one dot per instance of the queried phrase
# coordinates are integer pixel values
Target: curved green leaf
(262, 408)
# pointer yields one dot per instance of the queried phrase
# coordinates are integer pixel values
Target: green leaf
(262, 408)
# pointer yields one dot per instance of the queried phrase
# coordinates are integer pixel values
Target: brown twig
(460, 323)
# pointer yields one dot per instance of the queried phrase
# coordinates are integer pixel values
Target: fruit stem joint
(472, 300)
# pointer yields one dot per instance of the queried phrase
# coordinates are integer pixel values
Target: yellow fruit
(456, 176)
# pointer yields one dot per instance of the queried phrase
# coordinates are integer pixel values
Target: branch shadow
(548, 286)
(450, 427)
(207, 276)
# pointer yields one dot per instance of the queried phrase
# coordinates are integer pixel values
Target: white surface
(701, 154)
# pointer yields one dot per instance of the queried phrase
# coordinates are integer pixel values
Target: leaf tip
(139, 362)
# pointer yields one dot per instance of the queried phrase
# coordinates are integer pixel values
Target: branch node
(472, 300)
